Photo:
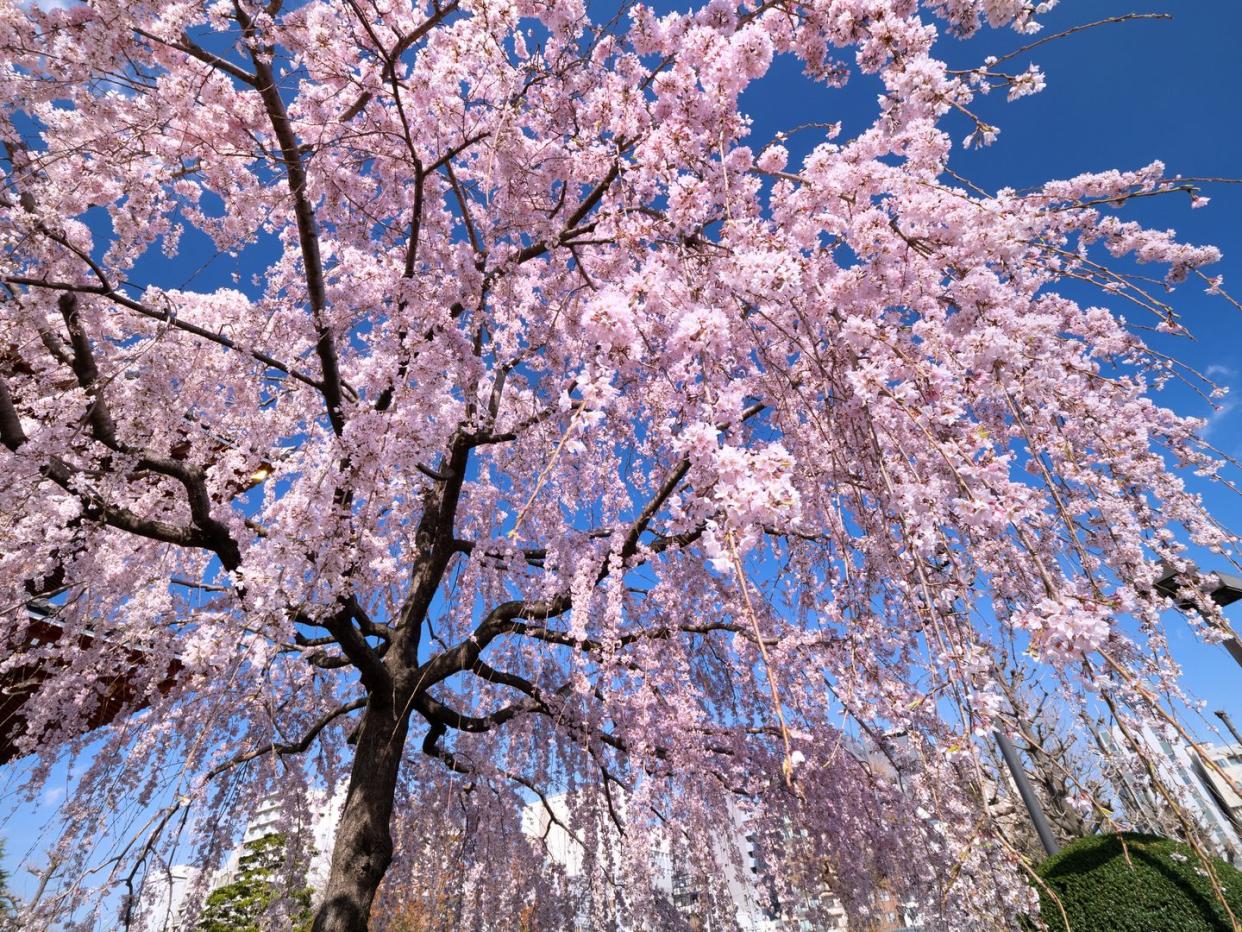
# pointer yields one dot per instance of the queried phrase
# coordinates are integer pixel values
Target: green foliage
(240, 905)
(1162, 889)
(8, 904)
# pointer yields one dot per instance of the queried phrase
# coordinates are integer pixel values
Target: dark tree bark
(363, 848)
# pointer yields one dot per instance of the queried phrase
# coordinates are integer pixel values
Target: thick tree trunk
(363, 848)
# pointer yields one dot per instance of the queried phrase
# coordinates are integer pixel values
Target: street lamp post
(1027, 792)
(1222, 588)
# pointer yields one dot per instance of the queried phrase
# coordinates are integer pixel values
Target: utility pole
(1042, 828)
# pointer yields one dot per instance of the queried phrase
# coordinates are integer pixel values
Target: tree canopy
(556, 433)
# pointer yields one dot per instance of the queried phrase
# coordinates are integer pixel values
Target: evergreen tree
(8, 903)
(240, 906)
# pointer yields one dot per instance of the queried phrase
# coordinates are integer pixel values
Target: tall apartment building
(1225, 784)
(171, 897)
(749, 885)
(170, 900)
(1206, 798)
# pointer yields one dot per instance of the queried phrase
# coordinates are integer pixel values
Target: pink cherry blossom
(549, 431)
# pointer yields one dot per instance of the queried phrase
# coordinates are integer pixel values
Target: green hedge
(1164, 891)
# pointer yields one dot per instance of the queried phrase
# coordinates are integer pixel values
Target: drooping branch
(437, 712)
(509, 616)
(108, 290)
(94, 507)
(290, 747)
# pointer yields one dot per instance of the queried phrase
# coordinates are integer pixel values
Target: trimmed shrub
(1162, 889)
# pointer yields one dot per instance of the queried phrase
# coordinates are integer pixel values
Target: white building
(165, 903)
(1207, 799)
(732, 848)
(171, 897)
(1224, 789)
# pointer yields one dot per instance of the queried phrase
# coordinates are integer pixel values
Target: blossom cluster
(541, 417)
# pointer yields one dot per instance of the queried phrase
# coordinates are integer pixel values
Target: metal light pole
(1042, 828)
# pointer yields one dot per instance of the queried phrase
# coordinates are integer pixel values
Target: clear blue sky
(1117, 97)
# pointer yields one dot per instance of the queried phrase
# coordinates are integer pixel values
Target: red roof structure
(19, 684)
